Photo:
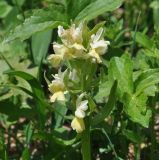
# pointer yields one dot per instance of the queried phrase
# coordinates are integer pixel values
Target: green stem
(137, 152)
(9, 65)
(137, 146)
(134, 37)
(85, 140)
(152, 129)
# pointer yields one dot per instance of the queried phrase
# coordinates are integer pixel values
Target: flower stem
(137, 146)
(152, 129)
(85, 140)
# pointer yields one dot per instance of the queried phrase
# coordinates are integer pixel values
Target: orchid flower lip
(80, 113)
(83, 105)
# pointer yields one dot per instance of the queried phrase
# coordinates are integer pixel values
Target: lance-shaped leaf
(96, 8)
(106, 110)
(143, 40)
(149, 47)
(40, 44)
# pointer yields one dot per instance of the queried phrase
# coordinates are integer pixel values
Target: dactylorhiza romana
(77, 43)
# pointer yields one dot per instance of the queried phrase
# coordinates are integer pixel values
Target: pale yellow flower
(60, 49)
(55, 59)
(81, 108)
(98, 45)
(60, 52)
(71, 35)
(78, 125)
(57, 96)
(71, 46)
(95, 55)
(72, 40)
(57, 88)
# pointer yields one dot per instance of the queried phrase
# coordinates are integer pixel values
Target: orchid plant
(78, 44)
(90, 98)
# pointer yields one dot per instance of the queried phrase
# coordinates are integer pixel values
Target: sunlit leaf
(40, 44)
(41, 20)
(120, 69)
(95, 8)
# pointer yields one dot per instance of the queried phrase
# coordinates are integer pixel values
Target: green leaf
(154, 4)
(152, 53)
(57, 139)
(75, 7)
(19, 2)
(140, 63)
(96, 8)
(38, 92)
(120, 69)
(132, 136)
(135, 107)
(106, 110)
(96, 27)
(143, 40)
(26, 154)
(40, 44)
(60, 112)
(104, 91)
(147, 79)
(35, 85)
(13, 111)
(4, 9)
(92, 105)
(28, 133)
(41, 20)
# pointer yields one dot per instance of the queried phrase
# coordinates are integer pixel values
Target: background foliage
(126, 92)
